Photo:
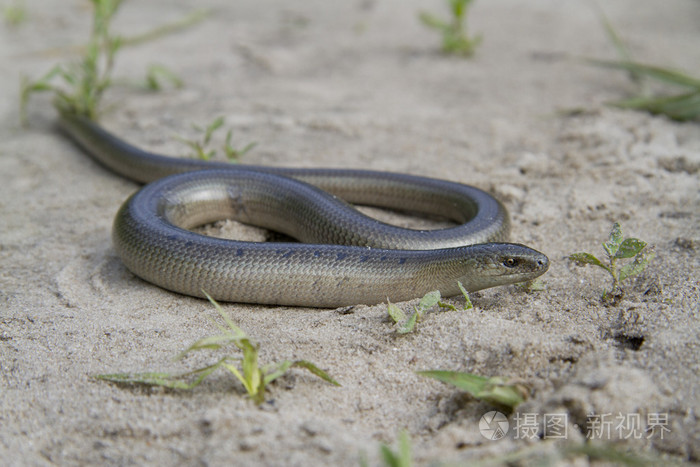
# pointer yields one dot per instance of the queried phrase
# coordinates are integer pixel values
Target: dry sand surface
(357, 84)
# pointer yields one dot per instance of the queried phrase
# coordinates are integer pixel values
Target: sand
(358, 84)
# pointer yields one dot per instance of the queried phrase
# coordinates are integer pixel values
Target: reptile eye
(509, 262)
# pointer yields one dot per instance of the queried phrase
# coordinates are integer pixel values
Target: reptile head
(493, 264)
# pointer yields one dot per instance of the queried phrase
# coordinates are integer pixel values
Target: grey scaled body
(346, 258)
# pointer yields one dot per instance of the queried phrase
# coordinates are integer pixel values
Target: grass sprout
(166, 29)
(15, 14)
(681, 105)
(246, 368)
(496, 390)
(157, 75)
(684, 105)
(78, 87)
(406, 323)
(531, 286)
(454, 32)
(618, 248)
(81, 84)
(202, 147)
(402, 457)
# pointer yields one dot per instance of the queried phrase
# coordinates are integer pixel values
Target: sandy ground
(358, 84)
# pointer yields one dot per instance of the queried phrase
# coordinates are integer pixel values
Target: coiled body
(346, 258)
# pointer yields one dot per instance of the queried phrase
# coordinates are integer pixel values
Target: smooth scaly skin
(347, 258)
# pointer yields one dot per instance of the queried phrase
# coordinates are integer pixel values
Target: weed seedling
(157, 74)
(81, 84)
(683, 105)
(402, 457)
(495, 390)
(15, 14)
(251, 375)
(531, 286)
(616, 249)
(454, 32)
(78, 87)
(202, 147)
(406, 324)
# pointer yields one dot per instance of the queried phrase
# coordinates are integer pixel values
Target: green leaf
(251, 370)
(586, 258)
(630, 247)
(403, 457)
(246, 148)
(494, 390)
(467, 301)
(157, 73)
(395, 312)
(618, 43)
(163, 379)
(681, 107)
(205, 371)
(665, 75)
(316, 371)
(238, 332)
(449, 306)
(429, 300)
(432, 22)
(231, 153)
(409, 324)
(614, 240)
(280, 369)
(389, 457)
(465, 381)
(212, 342)
(149, 379)
(251, 376)
(534, 285)
(29, 87)
(404, 324)
(498, 391)
(14, 14)
(640, 263)
(213, 126)
(458, 8)
(238, 375)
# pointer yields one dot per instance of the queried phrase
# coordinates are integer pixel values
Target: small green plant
(402, 457)
(531, 286)
(406, 324)
(616, 249)
(78, 87)
(81, 84)
(157, 74)
(684, 105)
(252, 376)
(681, 106)
(454, 32)
(202, 149)
(15, 13)
(495, 390)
